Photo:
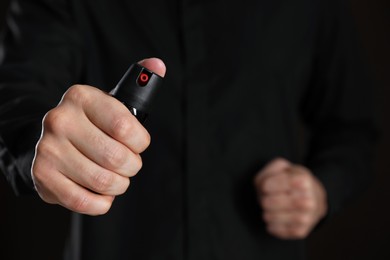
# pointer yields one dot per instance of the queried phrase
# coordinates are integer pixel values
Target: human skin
(86, 156)
(292, 198)
(89, 148)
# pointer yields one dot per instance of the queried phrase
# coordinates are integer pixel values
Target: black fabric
(242, 76)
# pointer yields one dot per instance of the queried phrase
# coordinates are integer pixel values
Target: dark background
(30, 229)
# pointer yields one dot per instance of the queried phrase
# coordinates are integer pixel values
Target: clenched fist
(292, 198)
(89, 147)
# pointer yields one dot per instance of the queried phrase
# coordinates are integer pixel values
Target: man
(226, 176)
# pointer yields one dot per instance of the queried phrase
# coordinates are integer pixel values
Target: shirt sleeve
(40, 57)
(338, 109)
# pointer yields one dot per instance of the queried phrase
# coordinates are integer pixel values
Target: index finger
(113, 118)
(275, 184)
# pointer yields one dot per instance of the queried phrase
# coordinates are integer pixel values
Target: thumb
(155, 65)
(277, 165)
(273, 178)
(274, 167)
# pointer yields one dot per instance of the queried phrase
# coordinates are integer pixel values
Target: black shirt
(247, 81)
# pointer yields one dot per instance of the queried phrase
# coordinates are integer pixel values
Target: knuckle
(123, 127)
(104, 208)
(146, 142)
(103, 182)
(302, 220)
(303, 181)
(127, 128)
(306, 204)
(37, 170)
(137, 164)
(37, 174)
(114, 157)
(85, 205)
(78, 203)
(55, 121)
(46, 158)
(126, 184)
(43, 148)
(78, 94)
(40, 166)
(306, 183)
(43, 192)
